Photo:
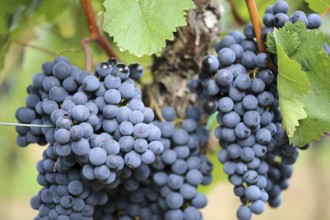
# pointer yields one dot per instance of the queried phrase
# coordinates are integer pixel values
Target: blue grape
(112, 96)
(61, 70)
(80, 147)
(314, 21)
(127, 90)
(47, 68)
(268, 19)
(238, 50)
(298, 16)
(248, 59)
(97, 156)
(226, 56)
(231, 119)
(103, 69)
(75, 187)
(168, 113)
(102, 172)
(174, 200)
(257, 207)
(226, 41)
(148, 157)
(80, 113)
(244, 213)
(252, 193)
(211, 88)
(174, 181)
(112, 82)
(210, 64)
(133, 159)
(280, 7)
(225, 104)
(251, 119)
(280, 19)
(238, 36)
(224, 77)
(194, 177)
(174, 214)
(249, 31)
(234, 151)
(136, 71)
(91, 83)
(122, 71)
(180, 137)
(262, 60)
(156, 147)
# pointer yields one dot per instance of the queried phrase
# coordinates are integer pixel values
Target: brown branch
(255, 19)
(94, 32)
(41, 49)
(88, 59)
(257, 26)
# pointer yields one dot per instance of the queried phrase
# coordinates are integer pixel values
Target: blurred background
(34, 31)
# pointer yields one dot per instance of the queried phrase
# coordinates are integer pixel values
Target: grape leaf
(292, 83)
(315, 62)
(142, 26)
(318, 5)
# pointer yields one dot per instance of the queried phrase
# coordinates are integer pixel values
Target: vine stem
(44, 50)
(255, 19)
(94, 33)
(25, 125)
(88, 58)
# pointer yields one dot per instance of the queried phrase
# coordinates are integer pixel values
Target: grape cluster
(98, 125)
(182, 168)
(277, 15)
(168, 188)
(255, 150)
(108, 158)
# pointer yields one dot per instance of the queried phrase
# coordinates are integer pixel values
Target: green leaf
(142, 26)
(318, 5)
(315, 62)
(292, 83)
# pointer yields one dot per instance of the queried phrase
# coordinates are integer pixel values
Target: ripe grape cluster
(239, 86)
(168, 188)
(108, 157)
(277, 15)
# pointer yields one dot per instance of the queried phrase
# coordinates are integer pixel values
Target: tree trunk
(181, 59)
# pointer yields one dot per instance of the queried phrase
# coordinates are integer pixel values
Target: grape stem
(47, 51)
(94, 34)
(41, 49)
(25, 125)
(88, 58)
(255, 19)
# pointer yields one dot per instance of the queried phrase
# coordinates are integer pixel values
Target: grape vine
(118, 149)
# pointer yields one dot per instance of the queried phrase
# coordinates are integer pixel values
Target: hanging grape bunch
(241, 87)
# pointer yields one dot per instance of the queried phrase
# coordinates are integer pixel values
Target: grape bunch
(277, 15)
(167, 189)
(96, 124)
(108, 157)
(238, 85)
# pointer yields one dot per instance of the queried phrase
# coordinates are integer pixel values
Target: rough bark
(181, 59)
